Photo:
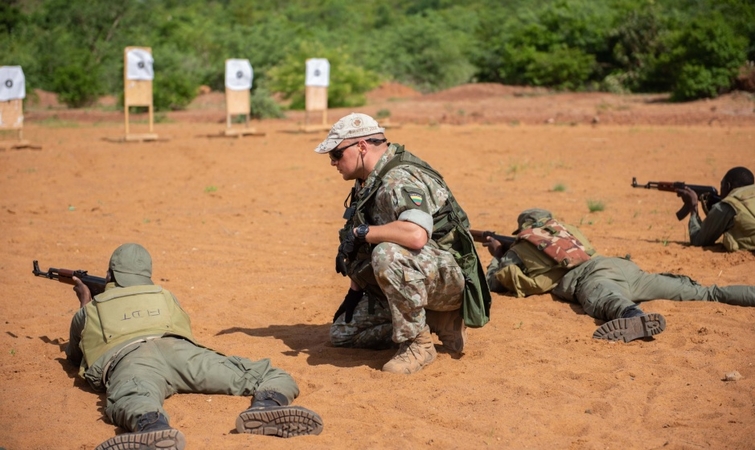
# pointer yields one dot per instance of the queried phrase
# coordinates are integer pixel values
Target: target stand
(12, 94)
(137, 90)
(12, 119)
(237, 103)
(316, 103)
(316, 82)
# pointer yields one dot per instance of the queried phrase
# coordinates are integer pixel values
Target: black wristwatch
(362, 231)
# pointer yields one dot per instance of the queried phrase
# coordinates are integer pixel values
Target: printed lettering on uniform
(137, 314)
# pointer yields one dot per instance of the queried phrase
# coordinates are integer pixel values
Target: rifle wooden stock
(96, 285)
(707, 195)
(482, 236)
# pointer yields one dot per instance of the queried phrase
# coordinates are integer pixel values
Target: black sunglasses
(337, 154)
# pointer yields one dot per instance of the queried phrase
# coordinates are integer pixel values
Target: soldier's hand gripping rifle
(96, 285)
(482, 236)
(707, 195)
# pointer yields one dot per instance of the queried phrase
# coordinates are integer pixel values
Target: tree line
(690, 48)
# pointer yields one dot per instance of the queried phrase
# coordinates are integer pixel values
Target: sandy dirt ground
(244, 232)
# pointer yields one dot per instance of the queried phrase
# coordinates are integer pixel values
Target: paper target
(12, 83)
(238, 74)
(139, 65)
(318, 72)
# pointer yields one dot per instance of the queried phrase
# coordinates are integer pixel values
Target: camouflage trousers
(605, 287)
(411, 281)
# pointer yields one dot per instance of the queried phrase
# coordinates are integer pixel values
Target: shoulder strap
(403, 157)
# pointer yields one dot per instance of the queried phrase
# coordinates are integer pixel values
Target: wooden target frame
(316, 101)
(238, 103)
(137, 93)
(12, 118)
(316, 82)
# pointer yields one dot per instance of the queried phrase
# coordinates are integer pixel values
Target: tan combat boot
(413, 355)
(450, 328)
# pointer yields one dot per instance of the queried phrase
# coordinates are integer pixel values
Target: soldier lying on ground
(733, 217)
(549, 256)
(143, 360)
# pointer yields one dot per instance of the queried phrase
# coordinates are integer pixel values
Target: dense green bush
(76, 84)
(554, 45)
(424, 52)
(561, 68)
(177, 78)
(264, 106)
(348, 82)
(708, 60)
(704, 58)
(635, 44)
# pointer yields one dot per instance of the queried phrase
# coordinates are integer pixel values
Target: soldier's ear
(725, 187)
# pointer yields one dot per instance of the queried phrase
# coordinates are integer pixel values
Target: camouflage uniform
(410, 280)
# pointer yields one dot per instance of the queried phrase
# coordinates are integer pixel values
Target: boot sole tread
(170, 439)
(631, 328)
(284, 421)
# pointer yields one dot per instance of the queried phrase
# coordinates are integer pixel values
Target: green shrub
(561, 67)
(264, 106)
(704, 59)
(551, 44)
(176, 79)
(559, 187)
(348, 82)
(76, 84)
(172, 91)
(595, 205)
(635, 43)
(426, 52)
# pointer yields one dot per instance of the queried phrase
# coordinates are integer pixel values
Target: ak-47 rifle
(707, 195)
(96, 285)
(482, 236)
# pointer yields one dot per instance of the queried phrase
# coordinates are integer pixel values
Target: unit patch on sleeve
(414, 198)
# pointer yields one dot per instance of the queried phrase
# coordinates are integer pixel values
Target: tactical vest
(544, 262)
(122, 314)
(537, 273)
(450, 225)
(742, 235)
(553, 239)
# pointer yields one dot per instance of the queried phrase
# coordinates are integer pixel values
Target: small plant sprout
(595, 205)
